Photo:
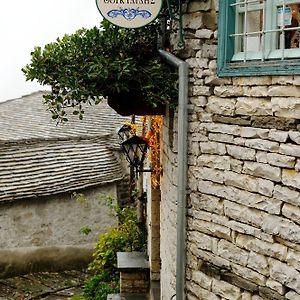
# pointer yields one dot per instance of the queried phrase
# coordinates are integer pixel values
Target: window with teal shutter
(259, 37)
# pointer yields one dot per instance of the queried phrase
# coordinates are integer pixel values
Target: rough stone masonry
(244, 177)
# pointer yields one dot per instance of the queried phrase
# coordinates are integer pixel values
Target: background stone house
(43, 164)
(243, 201)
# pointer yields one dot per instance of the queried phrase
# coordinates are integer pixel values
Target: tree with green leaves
(90, 64)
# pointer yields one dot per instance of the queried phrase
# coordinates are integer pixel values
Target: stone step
(127, 297)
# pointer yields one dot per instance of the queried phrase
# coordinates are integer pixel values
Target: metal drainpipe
(182, 169)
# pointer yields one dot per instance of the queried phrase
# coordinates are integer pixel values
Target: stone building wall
(168, 212)
(243, 239)
(56, 220)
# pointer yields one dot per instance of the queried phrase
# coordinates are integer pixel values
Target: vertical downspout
(183, 69)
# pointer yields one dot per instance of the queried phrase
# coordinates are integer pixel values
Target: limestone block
(213, 259)
(210, 20)
(282, 80)
(228, 91)
(223, 128)
(199, 90)
(262, 170)
(276, 286)
(287, 195)
(296, 80)
(283, 227)
(209, 51)
(258, 263)
(267, 293)
(214, 161)
(295, 136)
(206, 202)
(199, 137)
(250, 132)
(286, 107)
(193, 21)
(253, 80)
(261, 157)
(275, 250)
(232, 253)
(215, 80)
(201, 215)
(240, 196)
(279, 160)
(278, 135)
(256, 91)
(223, 106)
(246, 296)
(207, 174)
(243, 214)
(284, 274)
(239, 141)
(249, 183)
(222, 220)
(199, 101)
(194, 148)
(197, 62)
(248, 274)
(200, 293)
(250, 230)
(264, 145)
(253, 106)
(202, 241)
(236, 165)
(204, 33)
(199, 6)
(291, 295)
(256, 297)
(291, 178)
(205, 117)
(290, 149)
(284, 91)
(213, 148)
(215, 230)
(297, 166)
(293, 259)
(291, 212)
(191, 45)
(212, 65)
(225, 290)
(202, 279)
(223, 138)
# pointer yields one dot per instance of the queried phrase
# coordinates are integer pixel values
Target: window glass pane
(249, 28)
(288, 20)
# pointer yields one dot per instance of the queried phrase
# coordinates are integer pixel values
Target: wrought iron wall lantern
(135, 148)
(124, 132)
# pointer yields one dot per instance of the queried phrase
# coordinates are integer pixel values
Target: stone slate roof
(38, 157)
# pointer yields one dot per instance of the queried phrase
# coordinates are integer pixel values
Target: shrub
(127, 236)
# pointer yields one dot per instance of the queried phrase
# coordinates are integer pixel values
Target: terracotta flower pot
(132, 103)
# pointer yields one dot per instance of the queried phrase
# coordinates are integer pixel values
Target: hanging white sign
(129, 13)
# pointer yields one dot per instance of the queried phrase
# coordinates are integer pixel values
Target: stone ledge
(132, 261)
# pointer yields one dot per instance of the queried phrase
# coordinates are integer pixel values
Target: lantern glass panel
(124, 132)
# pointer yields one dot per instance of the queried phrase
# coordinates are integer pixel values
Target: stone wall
(244, 178)
(55, 220)
(168, 211)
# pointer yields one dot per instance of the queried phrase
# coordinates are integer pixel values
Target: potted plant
(119, 64)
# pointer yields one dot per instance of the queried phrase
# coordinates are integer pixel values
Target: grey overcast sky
(28, 23)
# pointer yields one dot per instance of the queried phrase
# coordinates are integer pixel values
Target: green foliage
(77, 297)
(127, 236)
(97, 289)
(86, 230)
(93, 63)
